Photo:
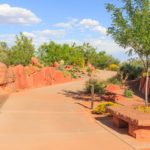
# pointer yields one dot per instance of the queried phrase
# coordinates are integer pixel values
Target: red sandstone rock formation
(20, 77)
(55, 64)
(35, 62)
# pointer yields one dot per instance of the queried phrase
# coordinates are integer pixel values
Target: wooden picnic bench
(138, 123)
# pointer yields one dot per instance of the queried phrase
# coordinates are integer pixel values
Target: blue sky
(63, 21)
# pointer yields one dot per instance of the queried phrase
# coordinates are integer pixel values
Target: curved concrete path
(45, 119)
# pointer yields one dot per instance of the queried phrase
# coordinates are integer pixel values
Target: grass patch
(128, 93)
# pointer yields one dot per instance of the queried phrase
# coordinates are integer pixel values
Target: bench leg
(119, 123)
(139, 132)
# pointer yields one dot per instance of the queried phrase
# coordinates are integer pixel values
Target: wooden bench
(138, 123)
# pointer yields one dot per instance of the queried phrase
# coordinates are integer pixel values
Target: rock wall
(143, 85)
(32, 76)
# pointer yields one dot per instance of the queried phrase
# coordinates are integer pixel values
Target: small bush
(145, 109)
(66, 73)
(114, 80)
(128, 93)
(75, 72)
(102, 107)
(132, 71)
(99, 87)
(114, 67)
(89, 71)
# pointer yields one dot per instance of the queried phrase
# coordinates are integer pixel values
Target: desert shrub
(60, 68)
(130, 70)
(115, 80)
(103, 60)
(66, 73)
(75, 72)
(102, 107)
(113, 67)
(99, 87)
(89, 71)
(145, 109)
(128, 93)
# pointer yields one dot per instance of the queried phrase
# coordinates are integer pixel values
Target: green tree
(51, 52)
(22, 51)
(4, 53)
(131, 29)
(104, 60)
(89, 53)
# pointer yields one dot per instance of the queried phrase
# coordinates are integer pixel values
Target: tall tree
(4, 53)
(130, 28)
(22, 51)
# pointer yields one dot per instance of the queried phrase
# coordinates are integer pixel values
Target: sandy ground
(102, 75)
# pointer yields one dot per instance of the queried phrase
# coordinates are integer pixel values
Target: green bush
(99, 87)
(128, 93)
(89, 71)
(130, 70)
(102, 107)
(113, 67)
(66, 73)
(114, 80)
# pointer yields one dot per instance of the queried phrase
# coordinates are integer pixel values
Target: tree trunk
(146, 87)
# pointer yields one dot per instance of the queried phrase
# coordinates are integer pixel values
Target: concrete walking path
(45, 119)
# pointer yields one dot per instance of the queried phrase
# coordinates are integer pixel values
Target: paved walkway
(45, 119)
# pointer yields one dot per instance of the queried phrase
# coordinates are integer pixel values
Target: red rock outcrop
(35, 62)
(19, 77)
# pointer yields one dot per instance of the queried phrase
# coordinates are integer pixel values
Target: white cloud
(42, 36)
(94, 25)
(89, 23)
(106, 45)
(81, 25)
(17, 15)
(67, 25)
(100, 29)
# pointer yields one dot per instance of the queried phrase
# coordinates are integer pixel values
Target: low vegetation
(114, 67)
(102, 107)
(131, 71)
(99, 87)
(128, 93)
(115, 80)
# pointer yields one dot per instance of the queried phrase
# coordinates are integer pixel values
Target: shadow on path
(3, 99)
(107, 121)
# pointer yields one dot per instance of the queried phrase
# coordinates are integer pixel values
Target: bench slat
(130, 115)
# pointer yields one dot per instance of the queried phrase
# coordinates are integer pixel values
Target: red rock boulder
(20, 77)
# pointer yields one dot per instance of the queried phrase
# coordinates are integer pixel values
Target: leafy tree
(22, 51)
(131, 29)
(77, 55)
(89, 53)
(104, 60)
(51, 52)
(4, 53)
